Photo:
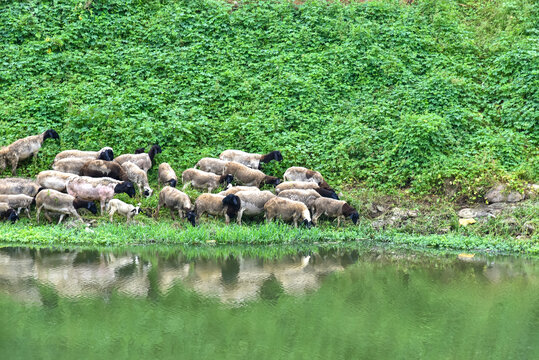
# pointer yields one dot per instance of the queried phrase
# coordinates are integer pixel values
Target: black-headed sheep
(306, 196)
(297, 173)
(174, 199)
(15, 186)
(334, 208)
(19, 202)
(122, 208)
(102, 168)
(287, 210)
(252, 202)
(212, 165)
(56, 180)
(324, 191)
(252, 161)
(235, 189)
(217, 205)
(139, 177)
(23, 149)
(8, 213)
(166, 175)
(248, 176)
(143, 161)
(52, 201)
(105, 153)
(204, 180)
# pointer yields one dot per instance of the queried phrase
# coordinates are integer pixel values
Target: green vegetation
(380, 93)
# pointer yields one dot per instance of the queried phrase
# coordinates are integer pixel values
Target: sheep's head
(271, 180)
(277, 156)
(136, 209)
(50, 134)
(191, 216)
(327, 193)
(92, 207)
(350, 212)
(148, 191)
(140, 150)
(233, 204)
(307, 223)
(125, 187)
(274, 155)
(173, 182)
(11, 215)
(226, 179)
(106, 154)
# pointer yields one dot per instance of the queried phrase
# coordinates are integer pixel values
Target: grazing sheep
(102, 168)
(143, 161)
(56, 180)
(235, 189)
(166, 175)
(23, 149)
(122, 208)
(324, 191)
(56, 202)
(250, 177)
(215, 166)
(98, 189)
(204, 180)
(251, 160)
(174, 199)
(71, 165)
(217, 205)
(286, 210)
(15, 186)
(7, 213)
(104, 154)
(138, 176)
(252, 202)
(297, 173)
(334, 208)
(18, 202)
(306, 196)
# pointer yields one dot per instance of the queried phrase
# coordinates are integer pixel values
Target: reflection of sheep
(104, 154)
(167, 175)
(18, 202)
(217, 205)
(56, 180)
(138, 176)
(143, 161)
(215, 166)
(65, 204)
(122, 208)
(249, 177)
(287, 210)
(174, 199)
(15, 186)
(251, 160)
(204, 180)
(334, 208)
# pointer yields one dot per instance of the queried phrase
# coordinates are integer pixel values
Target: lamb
(306, 196)
(250, 177)
(56, 180)
(138, 176)
(143, 161)
(297, 173)
(252, 202)
(18, 202)
(102, 189)
(204, 180)
(70, 165)
(334, 208)
(215, 166)
(174, 199)
(250, 160)
(7, 213)
(287, 210)
(217, 205)
(235, 189)
(15, 186)
(54, 201)
(122, 208)
(23, 149)
(166, 175)
(105, 153)
(102, 168)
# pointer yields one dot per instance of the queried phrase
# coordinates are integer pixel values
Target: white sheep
(122, 208)
(56, 202)
(248, 159)
(138, 176)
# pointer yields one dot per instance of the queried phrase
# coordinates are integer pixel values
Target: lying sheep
(334, 208)
(122, 208)
(138, 176)
(306, 196)
(102, 168)
(250, 177)
(8, 213)
(204, 180)
(235, 189)
(143, 161)
(215, 166)
(166, 175)
(15, 186)
(19, 202)
(52, 201)
(217, 205)
(250, 160)
(297, 173)
(286, 210)
(23, 149)
(174, 199)
(98, 189)
(252, 202)
(56, 180)
(105, 153)
(69, 165)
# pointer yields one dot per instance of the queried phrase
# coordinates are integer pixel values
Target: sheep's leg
(103, 204)
(47, 216)
(295, 219)
(227, 219)
(315, 217)
(172, 214)
(61, 218)
(111, 213)
(27, 210)
(338, 221)
(38, 210)
(180, 213)
(14, 163)
(75, 214)
(240, 215)
(156, 215)
(186, 185)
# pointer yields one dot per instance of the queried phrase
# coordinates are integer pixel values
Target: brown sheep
(174, 199)
(249, 177)
(143, 161)
(217, 205)
(252, 161)
(306, 196)
(215, 166)
(334, 208)
(104, 154)
(102, 168)
(166, 175)
(287, 210)
(204, 180)
(15, 186)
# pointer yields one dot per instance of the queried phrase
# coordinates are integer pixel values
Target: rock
(529, 228)
(466, 222)
(468, 213)
(404, 214)
(500, 194)
(380, 224)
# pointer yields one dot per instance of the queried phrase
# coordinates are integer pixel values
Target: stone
(466, 222)
(468, 213)
(529, 228)
(501, 194)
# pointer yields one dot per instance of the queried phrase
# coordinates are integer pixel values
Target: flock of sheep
(80, 178)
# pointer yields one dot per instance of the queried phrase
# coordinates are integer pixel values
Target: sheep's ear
(139, 204)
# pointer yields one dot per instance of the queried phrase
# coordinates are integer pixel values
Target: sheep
(102, 168)
(250, 177)
(306, 196)
(54, 201)
(166, 175)
(23, 149)
(143, 161)
(19, 202)
(140, 150)
(217, 205)
(102, 189)
(138, 176)
(70, 165)
(235, 189)
(324, 191)
(8, 213)
(334, 208)
(105, 153)
(287, 210)
(251, 160)
(215, 166)
(122, 208)
(15, 186)
(297, 173)
(204, 180)
(56, 180)
(252, 202)
(174, 199)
